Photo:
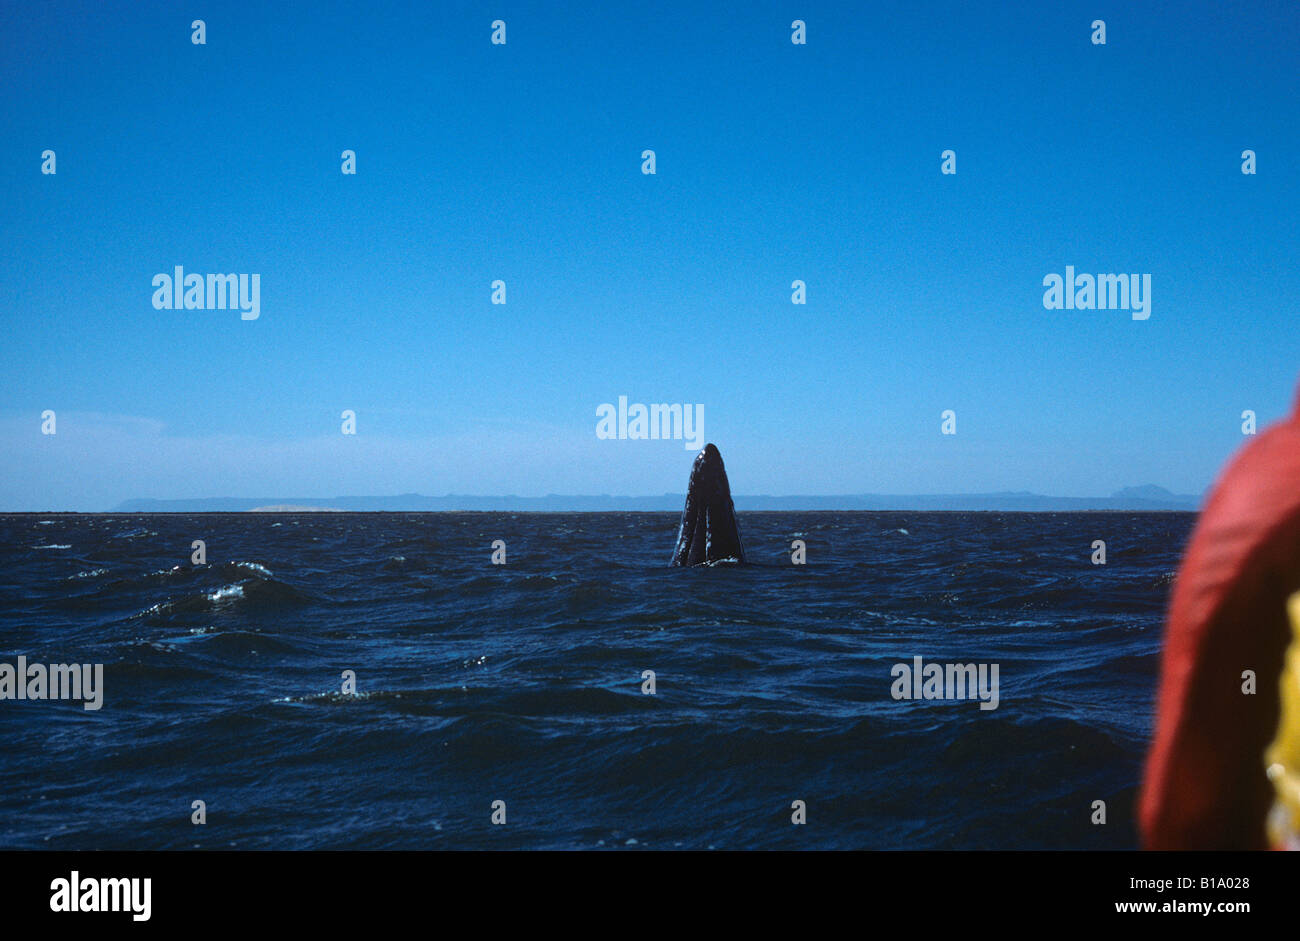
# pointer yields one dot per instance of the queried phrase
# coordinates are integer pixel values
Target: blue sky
(522, 162)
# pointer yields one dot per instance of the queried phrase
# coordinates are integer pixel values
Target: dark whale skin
(708, 531)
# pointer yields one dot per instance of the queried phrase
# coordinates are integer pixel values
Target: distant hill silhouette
(1146, 497)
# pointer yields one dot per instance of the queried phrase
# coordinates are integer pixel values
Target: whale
(708, 532)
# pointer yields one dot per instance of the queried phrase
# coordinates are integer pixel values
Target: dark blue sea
(522, 683)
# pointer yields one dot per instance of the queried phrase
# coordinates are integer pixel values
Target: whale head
(708, 530)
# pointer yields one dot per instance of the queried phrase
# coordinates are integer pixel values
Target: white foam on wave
(51, 547)
(227, 594)
(158, 608)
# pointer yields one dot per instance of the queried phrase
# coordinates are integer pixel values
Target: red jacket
(1205, 786)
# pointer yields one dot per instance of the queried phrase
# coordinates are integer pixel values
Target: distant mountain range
(1148, 497)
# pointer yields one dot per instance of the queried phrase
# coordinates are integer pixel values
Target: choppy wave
(529, 680)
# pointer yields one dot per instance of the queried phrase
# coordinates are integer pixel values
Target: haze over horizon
(1146, 497)
(522, 162)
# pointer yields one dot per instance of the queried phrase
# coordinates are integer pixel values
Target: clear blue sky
(775, 162)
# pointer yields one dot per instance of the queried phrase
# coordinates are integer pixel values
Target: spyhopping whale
(708, 531)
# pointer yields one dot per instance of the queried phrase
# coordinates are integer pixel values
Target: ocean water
(522, 683)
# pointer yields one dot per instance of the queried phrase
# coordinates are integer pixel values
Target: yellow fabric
(1283, 756)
